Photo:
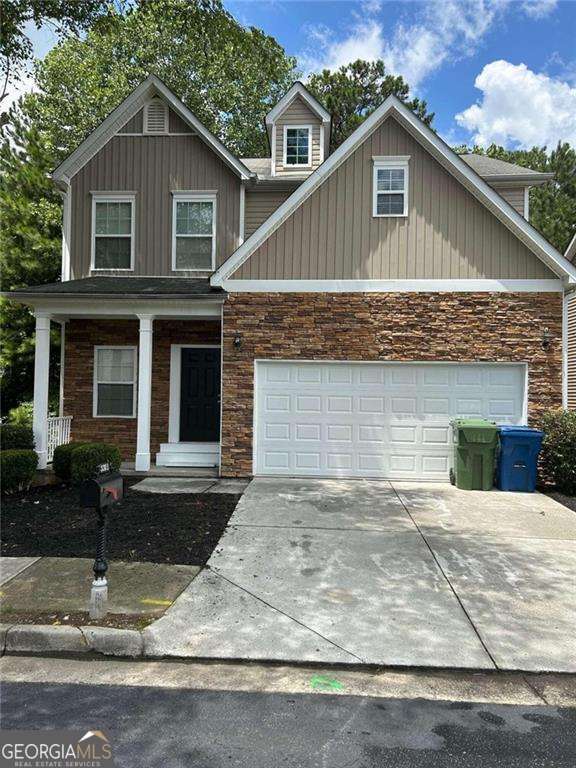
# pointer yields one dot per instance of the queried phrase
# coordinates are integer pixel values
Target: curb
(46, 639)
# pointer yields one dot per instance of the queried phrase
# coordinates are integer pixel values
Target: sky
(500, 71)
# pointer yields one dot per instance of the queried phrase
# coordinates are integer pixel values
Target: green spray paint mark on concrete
(323, 683)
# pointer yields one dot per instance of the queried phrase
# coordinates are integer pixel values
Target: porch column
(41, 378)
(144, 393)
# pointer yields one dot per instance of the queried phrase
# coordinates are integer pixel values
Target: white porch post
(41, 378)
(144, 393)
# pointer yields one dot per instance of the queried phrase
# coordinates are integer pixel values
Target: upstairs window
(113, 232)
(156, 117)
(193, 232)
(390, 184)
(115, 381)
(297, 145)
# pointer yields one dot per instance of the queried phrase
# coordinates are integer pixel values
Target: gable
(448, 233)
(136, 124)
(125, 112)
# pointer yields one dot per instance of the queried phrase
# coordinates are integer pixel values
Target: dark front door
(200, 395)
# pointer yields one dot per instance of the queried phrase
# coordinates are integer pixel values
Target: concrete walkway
(408, 574)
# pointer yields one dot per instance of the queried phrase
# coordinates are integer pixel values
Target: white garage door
(374, 419)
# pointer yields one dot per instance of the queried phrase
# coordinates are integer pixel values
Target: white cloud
(520, 108)
(440, 31)
(539, 9)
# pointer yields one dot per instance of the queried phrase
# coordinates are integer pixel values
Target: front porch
(143, 373)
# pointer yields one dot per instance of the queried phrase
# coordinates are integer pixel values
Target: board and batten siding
(175, 123)
(261, 205)
(447, 234)
(297, 113)
(514, 196)
(153, 167)
(571, 351)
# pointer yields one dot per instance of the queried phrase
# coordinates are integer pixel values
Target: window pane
(112, 253)
(113, 218)
(390, 205)
(193, 253)
(194, 218)
(115, 399)
(115, 365)
(297, 141)
(390, 179)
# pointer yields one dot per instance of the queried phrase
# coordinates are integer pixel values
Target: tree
(64, 16)
(227, 75)
(30, 210)
(553, 205)
(353, 92)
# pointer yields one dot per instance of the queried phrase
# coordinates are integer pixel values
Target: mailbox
(103, 491)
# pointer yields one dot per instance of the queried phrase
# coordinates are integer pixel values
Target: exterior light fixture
(237, 342)
(546, 339)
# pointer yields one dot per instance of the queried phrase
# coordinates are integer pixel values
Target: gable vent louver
(156, 117)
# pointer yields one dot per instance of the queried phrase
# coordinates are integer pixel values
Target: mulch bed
(147, 527)
(561, 498)
(80, 619)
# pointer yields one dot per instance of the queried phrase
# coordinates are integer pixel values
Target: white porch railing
(58, 433)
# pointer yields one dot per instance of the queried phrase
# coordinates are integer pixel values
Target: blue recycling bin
(518, 458)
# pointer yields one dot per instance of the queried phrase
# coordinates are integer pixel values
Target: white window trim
(145, 119)
(95, 381)
(285, 147)
(113, 197)
(399, 163)
(193, 197)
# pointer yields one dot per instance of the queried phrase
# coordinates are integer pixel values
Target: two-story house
(305, 313)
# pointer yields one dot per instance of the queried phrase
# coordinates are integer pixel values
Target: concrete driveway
(373, 572)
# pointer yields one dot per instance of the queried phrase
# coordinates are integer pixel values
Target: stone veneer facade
(81, 338)
(451, 327)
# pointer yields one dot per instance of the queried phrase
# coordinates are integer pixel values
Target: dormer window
(297, 145)
(390, 186)
(156, 117)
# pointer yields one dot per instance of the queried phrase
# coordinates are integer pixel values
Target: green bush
(87, 459)
(17, 469)
(558, 457)
(22, 414)
(16, 437)
(62, 461)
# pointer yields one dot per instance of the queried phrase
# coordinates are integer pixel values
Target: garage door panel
(374, 420)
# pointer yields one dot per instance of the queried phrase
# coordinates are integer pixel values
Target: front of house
(306, 314)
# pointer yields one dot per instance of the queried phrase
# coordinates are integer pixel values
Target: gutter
(15, 295)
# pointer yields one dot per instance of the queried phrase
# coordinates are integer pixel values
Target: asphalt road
(159, 727)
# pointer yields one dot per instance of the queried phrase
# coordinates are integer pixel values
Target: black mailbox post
(100, 494)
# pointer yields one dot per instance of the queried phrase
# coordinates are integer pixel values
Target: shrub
(16, 437)
(558, 455)
(22, 414)
(62, 461)
(17, 469)
(87, 459)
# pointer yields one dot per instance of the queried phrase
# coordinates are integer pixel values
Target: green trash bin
(475, 442)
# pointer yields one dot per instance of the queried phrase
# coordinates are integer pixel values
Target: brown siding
(514, 196)
(447, 233)
(135, 124)
(452, 327)
(297, 113)
(176, 124)
(571, 345)
(259, 206)
(152, 166)
(81, 338)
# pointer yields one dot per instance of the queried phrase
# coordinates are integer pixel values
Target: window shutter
(156, 117)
